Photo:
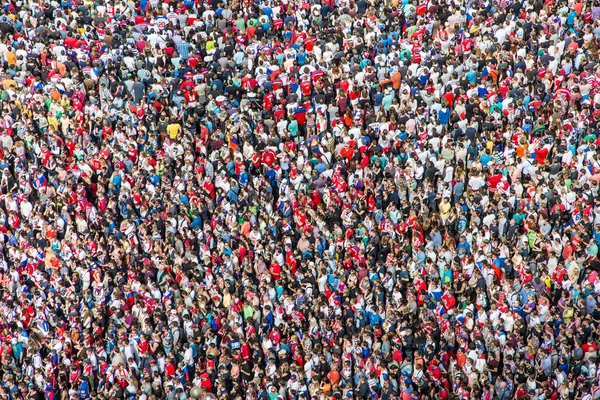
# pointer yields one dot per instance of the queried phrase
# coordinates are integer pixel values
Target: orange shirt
(395, 80)
(348, 119)
(333, 376)
(493, 74)
(245, 230)
(11, 58)
(521, 151)
(55, 94)
(461, 358)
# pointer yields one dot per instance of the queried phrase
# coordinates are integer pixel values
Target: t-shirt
(173, 130)
(293, 128)
(541, 155)
(444, 115)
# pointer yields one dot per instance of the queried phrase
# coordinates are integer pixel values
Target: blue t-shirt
(444, 115)
(485, 159)
(471, 76)
(378, 98)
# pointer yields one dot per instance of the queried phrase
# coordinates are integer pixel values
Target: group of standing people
(286, 199)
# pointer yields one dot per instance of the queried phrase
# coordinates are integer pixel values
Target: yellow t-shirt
(11, 58)
(173, 130)
(9, 84)
(226, 300)
(568, 315)
(53, 122)
(445, 209)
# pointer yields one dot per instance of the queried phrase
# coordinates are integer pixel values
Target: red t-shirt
(268, 101)
(493, 181)
(268, 157)
(541, 155)
(589, 347)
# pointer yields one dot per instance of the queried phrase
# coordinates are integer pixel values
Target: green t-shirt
(387, 102)
(496, 107)
(280, 58)
(240, 23)
(248, 312)
(405, 55)
(383, 162)
(519, 218)
(293, 128)
(592, 250)
(531, 238)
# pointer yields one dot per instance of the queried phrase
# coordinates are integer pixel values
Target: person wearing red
(494, 180)
(275, 271)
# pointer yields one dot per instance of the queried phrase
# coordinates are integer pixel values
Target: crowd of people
(287, 199)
